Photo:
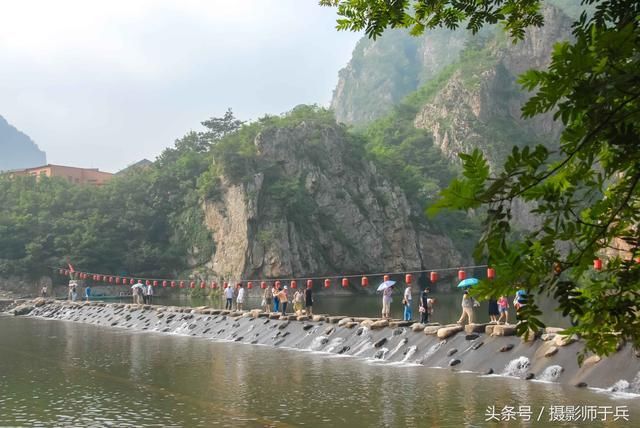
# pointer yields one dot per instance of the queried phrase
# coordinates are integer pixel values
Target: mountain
(17, 150)
(313, 204)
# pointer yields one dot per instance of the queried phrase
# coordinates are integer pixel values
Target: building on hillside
(74, 175)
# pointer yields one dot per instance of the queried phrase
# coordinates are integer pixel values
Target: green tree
(585, 192)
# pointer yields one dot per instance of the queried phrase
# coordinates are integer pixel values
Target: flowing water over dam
(67, 373)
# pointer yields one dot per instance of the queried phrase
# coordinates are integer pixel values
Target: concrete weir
(483, 349)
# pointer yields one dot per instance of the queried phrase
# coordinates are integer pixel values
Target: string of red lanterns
(434, 276)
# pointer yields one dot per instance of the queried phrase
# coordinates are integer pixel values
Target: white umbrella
(386, 285)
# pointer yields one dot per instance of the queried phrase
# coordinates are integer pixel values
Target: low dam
(478, 348)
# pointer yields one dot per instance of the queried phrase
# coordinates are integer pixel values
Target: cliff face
(479, 105)
(382, 72)
(17, 150)
(316, 207)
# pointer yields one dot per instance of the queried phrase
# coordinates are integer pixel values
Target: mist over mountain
(17, 150)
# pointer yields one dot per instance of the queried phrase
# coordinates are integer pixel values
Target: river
(55, 373)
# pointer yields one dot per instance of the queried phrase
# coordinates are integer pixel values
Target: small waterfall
(251, 327)
(334, 343)
(313, 331)
(409, 354)
(318, 342)
(620, 386)
(362, 347)
(397, 348)
(551, 373)
(432, 350)
(517, 367)
(381, 354)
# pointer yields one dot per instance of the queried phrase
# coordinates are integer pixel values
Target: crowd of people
(276, 299)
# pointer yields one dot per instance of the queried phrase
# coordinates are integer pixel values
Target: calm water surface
(56, 373)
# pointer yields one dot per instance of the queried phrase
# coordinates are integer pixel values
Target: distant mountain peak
(17, 150)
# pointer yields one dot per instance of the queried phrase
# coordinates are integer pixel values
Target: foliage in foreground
(586, 193)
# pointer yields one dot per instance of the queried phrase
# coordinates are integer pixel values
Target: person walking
(149, 294)
(406, 301)
(87, 293)
(308, 299)
(494, 312)
(503, 308)
(386, 302)
(228, 294)
(468, 303)
(424, 306)
(143, 292)
(267, 298)
(298, 302)
(43, 291)
(74, 293)
(240, 298)
(284, 299)
(276, 300)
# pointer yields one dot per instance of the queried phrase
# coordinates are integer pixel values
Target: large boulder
(561, 340)
(24, 309)
(379, 324)
(344, 321)
(504, 330)
(445, 332)
(417, 327)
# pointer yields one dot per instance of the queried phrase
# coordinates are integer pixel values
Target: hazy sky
(106, 83)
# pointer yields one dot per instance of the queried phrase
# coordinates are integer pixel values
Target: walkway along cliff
(480, 348)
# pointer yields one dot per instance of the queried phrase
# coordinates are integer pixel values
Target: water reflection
(59, 373)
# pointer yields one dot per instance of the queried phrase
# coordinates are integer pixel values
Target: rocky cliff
(17, 150)
(465, 86)
(316, 206)
(478, 106)
(382, 72)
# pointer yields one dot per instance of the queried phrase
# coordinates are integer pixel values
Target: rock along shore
(479, 348)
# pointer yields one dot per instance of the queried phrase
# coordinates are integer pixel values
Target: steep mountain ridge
(316, 208)
(17, 150)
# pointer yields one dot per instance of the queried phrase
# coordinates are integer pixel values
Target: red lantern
(192, 284)
(461, 275)
(202, 285)
(327, 283)
(345, 282)
(597, 264)
(117, 280)
(278, 284)
(263, 285)
(173, 284)
(181, 284)
(294, 284)
(364, 281)
(433, 276)
(385, 278)
(110, 280)
(214, 285)
(225, 284)
(491, 273)
(249, 285)
(164, 283)
(408, 278)
(309, 283)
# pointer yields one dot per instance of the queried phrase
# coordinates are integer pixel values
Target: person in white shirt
(407, 303)
(240, 298)
(228, 293)
(149, 294)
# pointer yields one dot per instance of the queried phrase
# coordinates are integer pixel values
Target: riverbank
(478, 348)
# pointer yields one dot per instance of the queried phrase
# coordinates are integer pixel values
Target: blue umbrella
(386, 285)
(465, 283)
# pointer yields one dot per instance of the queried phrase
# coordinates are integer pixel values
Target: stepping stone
(445, 332)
